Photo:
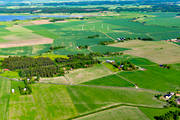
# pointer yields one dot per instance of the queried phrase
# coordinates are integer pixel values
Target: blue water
(27, 17)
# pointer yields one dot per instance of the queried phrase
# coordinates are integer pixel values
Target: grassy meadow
(53, 102)
(123, 112)
(111, 80)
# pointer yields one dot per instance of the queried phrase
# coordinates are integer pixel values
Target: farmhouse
(6, 70)
(120, 39)
(168, 96)
(110, 61)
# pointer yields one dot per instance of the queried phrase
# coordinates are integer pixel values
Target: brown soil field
(26, 43)
(20, 36)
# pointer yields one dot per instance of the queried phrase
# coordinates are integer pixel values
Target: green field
(74, 33)
(111, 80)
(123, 113)
(101, 91)
(62, 102)
(97, 97)
(5, 86)
(151, 112)
(153, 77)
(156, 78)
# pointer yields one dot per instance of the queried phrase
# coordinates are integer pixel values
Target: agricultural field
(151, 112)
(111, 80)
(74, 33)
(5, 86)
(83, 75)
(67, 82)
(16, 36)
(123, 112)
(157, 51)
(155, 78)
(66, 101)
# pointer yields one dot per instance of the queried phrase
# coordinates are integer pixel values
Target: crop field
(111, 80)
(5, 86)
(46, 102)
(92, 98)
(26, 50)
(157, 51)
(20, 36)
(162, 19)
(105, 49)
(74, 33)
(123, 112)
(62, 102)
(83, 75)
(155, 78)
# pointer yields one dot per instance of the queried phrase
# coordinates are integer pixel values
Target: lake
(28, 17)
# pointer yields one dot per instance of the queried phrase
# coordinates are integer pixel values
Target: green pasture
(46, 102)
(111, 80)
(151, 112)
(49, 101)
(105, 49)
(92, 98)
(5, 86)
(163, 18)
(156, 78)
(123, 113)
(26, 50)
(111, 67)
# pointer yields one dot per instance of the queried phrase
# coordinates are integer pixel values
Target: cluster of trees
(76, 61)
(42, 71)
(56, 47)
(145, 39)
(106, 42)
(26, 89)
(154, 8)
(29, 66)
(93, 36)
(14, 63)
(83, 47)
(98, 54)
(171, 115)
(56, 19)
(126, 65)
(52, 10)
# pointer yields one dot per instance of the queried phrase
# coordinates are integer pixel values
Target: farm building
(120, 39)
(168, 96)
(110, 61)
(6, 70)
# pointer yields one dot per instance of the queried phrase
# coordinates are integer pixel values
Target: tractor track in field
(108, 36)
